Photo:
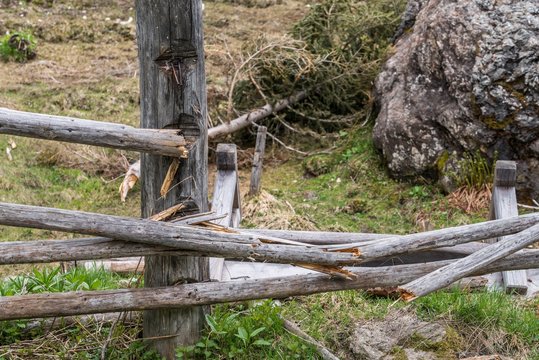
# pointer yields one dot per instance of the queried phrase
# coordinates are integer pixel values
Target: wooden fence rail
(246, 245)
(44, 251)
(90, 302)
(112, 135)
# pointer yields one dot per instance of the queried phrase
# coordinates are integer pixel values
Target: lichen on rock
(464, 78)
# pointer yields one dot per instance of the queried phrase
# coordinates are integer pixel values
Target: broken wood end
(406, 295)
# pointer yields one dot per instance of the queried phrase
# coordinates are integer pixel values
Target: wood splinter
(169, 177)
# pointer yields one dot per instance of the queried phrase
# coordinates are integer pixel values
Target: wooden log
(173, 95)
(504, 205)
(46, 251)
(258, 114)
(92, 302)
(118, 136)
(469, 265)
(256, 174)
(438, 238)
(202, 241)
(223, 196)
(236, 245)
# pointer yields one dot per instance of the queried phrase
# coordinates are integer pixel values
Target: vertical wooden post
(224, 196)
(504, 205)
(173, 95)
(256, 173)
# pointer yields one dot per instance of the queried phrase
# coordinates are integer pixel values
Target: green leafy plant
(19, 46)
(238, 332)
(53, 280)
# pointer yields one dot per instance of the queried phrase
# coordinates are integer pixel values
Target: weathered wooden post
(260, 147)
(173, 95)
(504, 205)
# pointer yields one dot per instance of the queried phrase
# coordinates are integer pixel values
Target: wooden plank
(173, 95)
(504, 205)
(91, 302)
(226, 182)
(256, 174)
(469, 265)
(98, 133)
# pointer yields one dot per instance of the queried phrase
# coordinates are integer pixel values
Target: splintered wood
(169, 177)
(130, 179)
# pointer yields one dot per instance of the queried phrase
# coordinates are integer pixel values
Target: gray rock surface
(464, 77)
(373, 340)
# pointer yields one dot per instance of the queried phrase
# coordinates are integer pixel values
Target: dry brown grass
(92, 160)
(471, 200)
(266, 211)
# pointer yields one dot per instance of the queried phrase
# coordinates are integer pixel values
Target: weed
(53, 280)
(418, 192)
(474, 171)
(241, 332)
(19, 46)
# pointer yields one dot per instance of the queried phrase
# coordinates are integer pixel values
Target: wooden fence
(173, 125)
(419, 255)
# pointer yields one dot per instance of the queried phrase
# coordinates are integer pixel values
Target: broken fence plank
(258, 159)
(237, 245)
(224, 193)
(469, 265)
(90, 132)
(46, 251)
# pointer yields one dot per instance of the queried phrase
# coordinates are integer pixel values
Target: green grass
(25, 339)
(495, 310)
(356, 194)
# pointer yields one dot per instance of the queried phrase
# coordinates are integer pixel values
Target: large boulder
(464, 77)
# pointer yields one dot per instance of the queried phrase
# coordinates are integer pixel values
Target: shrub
(19, 46)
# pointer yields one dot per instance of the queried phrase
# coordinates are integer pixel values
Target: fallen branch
(92, 302)
(258, 114)
(322, 350)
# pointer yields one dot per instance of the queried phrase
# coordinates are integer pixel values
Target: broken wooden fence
(323, 252)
